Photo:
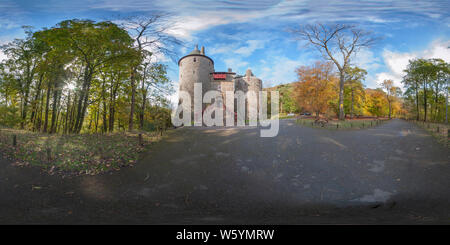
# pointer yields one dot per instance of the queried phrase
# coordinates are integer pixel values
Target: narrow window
(195, 59)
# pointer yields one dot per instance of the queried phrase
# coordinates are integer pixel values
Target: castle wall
(249, 83)
(197, 67)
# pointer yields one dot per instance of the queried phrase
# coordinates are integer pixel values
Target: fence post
(14, 140)
(49, 154)
(140, 139)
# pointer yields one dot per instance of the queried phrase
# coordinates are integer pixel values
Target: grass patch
(437, 130)
(287, 117)
(342, 125)
(74, 154)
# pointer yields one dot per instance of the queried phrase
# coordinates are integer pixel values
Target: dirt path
(393, 173)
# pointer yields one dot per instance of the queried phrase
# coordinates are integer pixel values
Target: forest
(424, 98)
(82, 76)
(334, 86)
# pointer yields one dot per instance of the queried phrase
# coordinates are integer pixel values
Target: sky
(254, 34)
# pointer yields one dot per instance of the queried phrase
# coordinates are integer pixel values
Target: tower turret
(195, 67)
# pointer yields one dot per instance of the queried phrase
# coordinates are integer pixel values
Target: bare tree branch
(336, 43)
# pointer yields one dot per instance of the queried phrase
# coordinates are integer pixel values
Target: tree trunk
(111, 117)
(353, 97)
(142, 112)
(105, 125)
(39, 122)
(83, 100)
(389, 102)
(417, 103)
(67, 114)
(54, 109)
(97, 114)
(436, 100)
(425, 104)
(133, 92)
(446, 102)
(112, 103)
(36, 99)
(72, 115)
(24, 110)
(46, 109)
(341, 95)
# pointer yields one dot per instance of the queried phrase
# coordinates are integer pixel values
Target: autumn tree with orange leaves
(316, 86)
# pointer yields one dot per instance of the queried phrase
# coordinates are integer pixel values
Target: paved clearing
(393, 173)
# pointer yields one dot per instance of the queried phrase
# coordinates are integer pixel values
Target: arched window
(195, 59)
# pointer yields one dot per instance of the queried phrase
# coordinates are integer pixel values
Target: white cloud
(365, 59)
(236, 63)
(200, 15)
(279, 70)
(222, 49)
(4, 40)
(252, 45)
(184, 26)
(2, 56)
(396, 62)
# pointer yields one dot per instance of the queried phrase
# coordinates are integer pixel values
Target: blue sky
(253, 34)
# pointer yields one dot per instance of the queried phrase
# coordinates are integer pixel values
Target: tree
(23, 58)
(439, 84)
(353, 80)
(154, 81)
(391, 92)
(287, 100)
(150, 34)
(337, 43)
(411, 84)
(376, 103)
(314, 89)
(79, 76)
(93, 44)
(427, 79)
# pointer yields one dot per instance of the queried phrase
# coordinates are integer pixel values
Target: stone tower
(195, 67)
(253, 84)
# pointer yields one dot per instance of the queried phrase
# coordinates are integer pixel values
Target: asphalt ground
(394, 173)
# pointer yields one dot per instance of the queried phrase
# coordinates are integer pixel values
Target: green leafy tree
(354, 89)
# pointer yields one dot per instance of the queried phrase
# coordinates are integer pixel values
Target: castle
(196, 67)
